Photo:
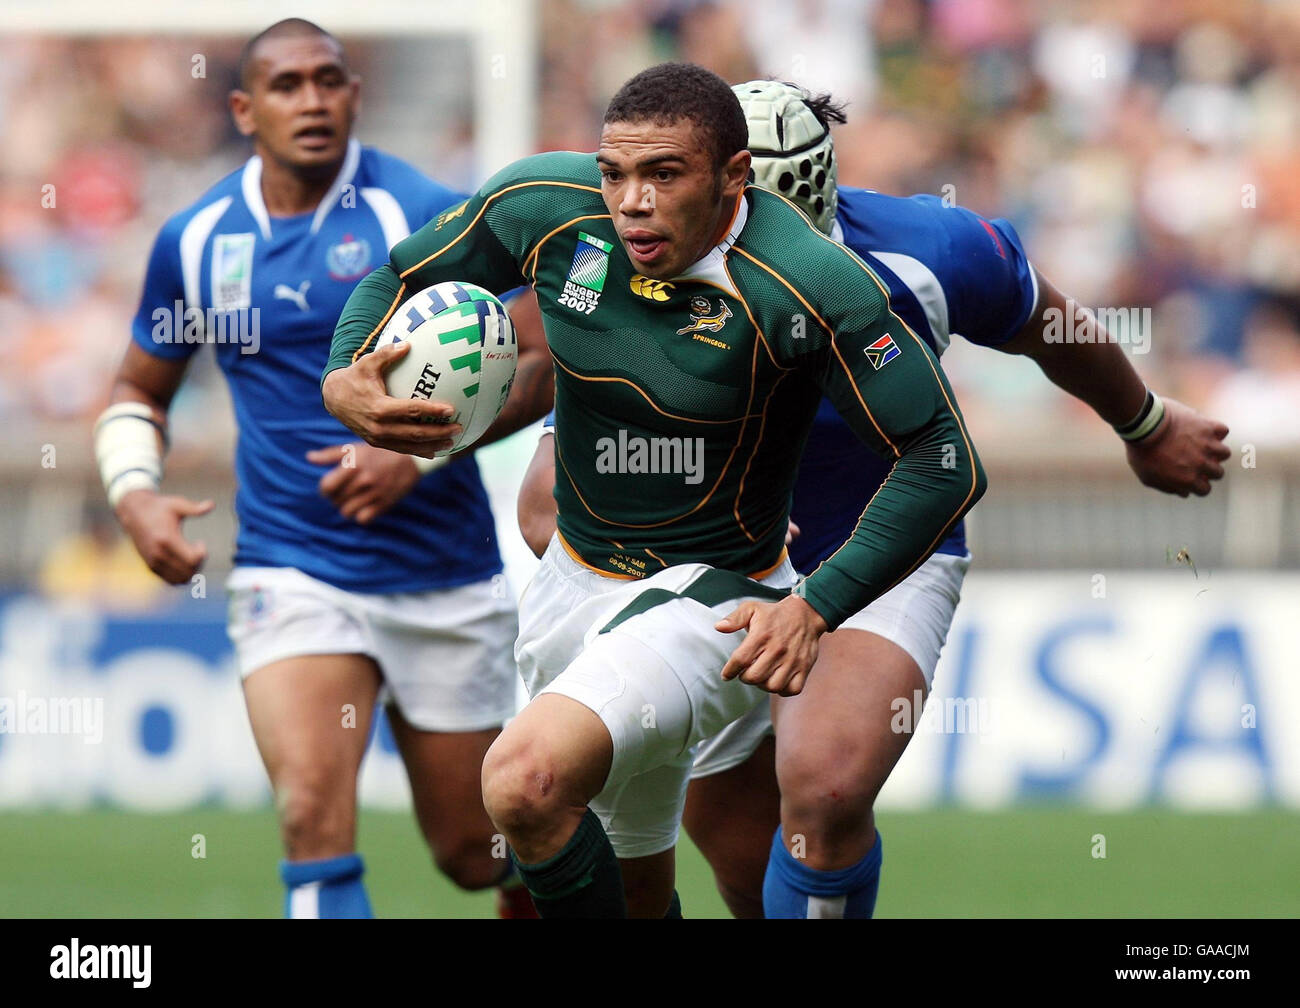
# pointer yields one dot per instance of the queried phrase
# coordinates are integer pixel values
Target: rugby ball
(463, 353)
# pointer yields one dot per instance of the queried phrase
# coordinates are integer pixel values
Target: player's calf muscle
(468, 862)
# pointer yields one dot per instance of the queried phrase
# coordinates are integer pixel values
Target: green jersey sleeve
(835, 325)
(905, 409)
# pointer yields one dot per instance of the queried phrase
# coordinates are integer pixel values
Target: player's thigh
(445, 770)
(309, 683)
(311, 717)
(733, 804)
(653, 670)
(641, 816)
(836, 738)
(737, 807)
(645, 660)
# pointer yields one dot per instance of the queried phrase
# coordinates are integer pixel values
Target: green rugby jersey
(682, 406)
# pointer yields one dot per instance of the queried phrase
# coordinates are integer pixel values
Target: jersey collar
(712, 268)
(251, 185)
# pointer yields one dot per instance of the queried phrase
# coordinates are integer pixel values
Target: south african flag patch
(882, 351)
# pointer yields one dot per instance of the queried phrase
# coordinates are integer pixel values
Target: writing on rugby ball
(463, 353)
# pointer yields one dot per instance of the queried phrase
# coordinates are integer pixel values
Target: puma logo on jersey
(704, 319)
(298, 297)
(651, 290)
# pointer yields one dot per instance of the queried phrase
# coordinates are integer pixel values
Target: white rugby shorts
(446, 655)
(643, 655)
(915, 614)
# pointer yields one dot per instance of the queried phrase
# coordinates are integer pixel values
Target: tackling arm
(1181, 455)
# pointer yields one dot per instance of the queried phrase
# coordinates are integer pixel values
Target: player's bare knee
(314, 822)
(828, 796)
(520, 789)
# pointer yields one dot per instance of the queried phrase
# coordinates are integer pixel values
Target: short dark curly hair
(294, 27)
(669, 92)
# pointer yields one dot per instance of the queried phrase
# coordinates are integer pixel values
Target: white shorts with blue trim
(446, 655)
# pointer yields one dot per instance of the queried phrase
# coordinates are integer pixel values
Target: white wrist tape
(428, 465)
(126, 447)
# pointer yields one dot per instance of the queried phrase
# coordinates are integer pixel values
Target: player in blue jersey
(344, 581)
(948, 270)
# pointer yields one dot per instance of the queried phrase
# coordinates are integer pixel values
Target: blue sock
(330, 888)
(793, 890)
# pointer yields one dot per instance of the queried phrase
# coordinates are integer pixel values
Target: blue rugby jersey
(224, 256)
(949, 271)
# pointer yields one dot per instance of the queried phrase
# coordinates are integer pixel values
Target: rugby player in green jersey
(694, 322)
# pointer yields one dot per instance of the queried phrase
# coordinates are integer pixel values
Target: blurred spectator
(1263, 399)
(1148, 152)
(99, 566)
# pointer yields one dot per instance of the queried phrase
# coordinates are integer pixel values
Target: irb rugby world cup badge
(232, 272)
(587, 274)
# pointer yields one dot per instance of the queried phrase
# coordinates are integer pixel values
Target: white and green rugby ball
(463, 353)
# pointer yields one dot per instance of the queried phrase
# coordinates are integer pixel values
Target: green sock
(674, 908)
(583, 880)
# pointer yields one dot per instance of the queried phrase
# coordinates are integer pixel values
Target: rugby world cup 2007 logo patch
(587, 274)
(232, 272)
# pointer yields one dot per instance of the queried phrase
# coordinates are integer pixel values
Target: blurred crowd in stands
(1148, 152)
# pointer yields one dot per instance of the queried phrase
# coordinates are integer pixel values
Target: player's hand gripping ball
(463, 353)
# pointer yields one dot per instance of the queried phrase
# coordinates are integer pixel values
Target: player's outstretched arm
(129, 441)
(1180, 455)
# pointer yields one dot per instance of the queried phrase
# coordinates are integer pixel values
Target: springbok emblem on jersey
(298, 297)
(704, 319)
